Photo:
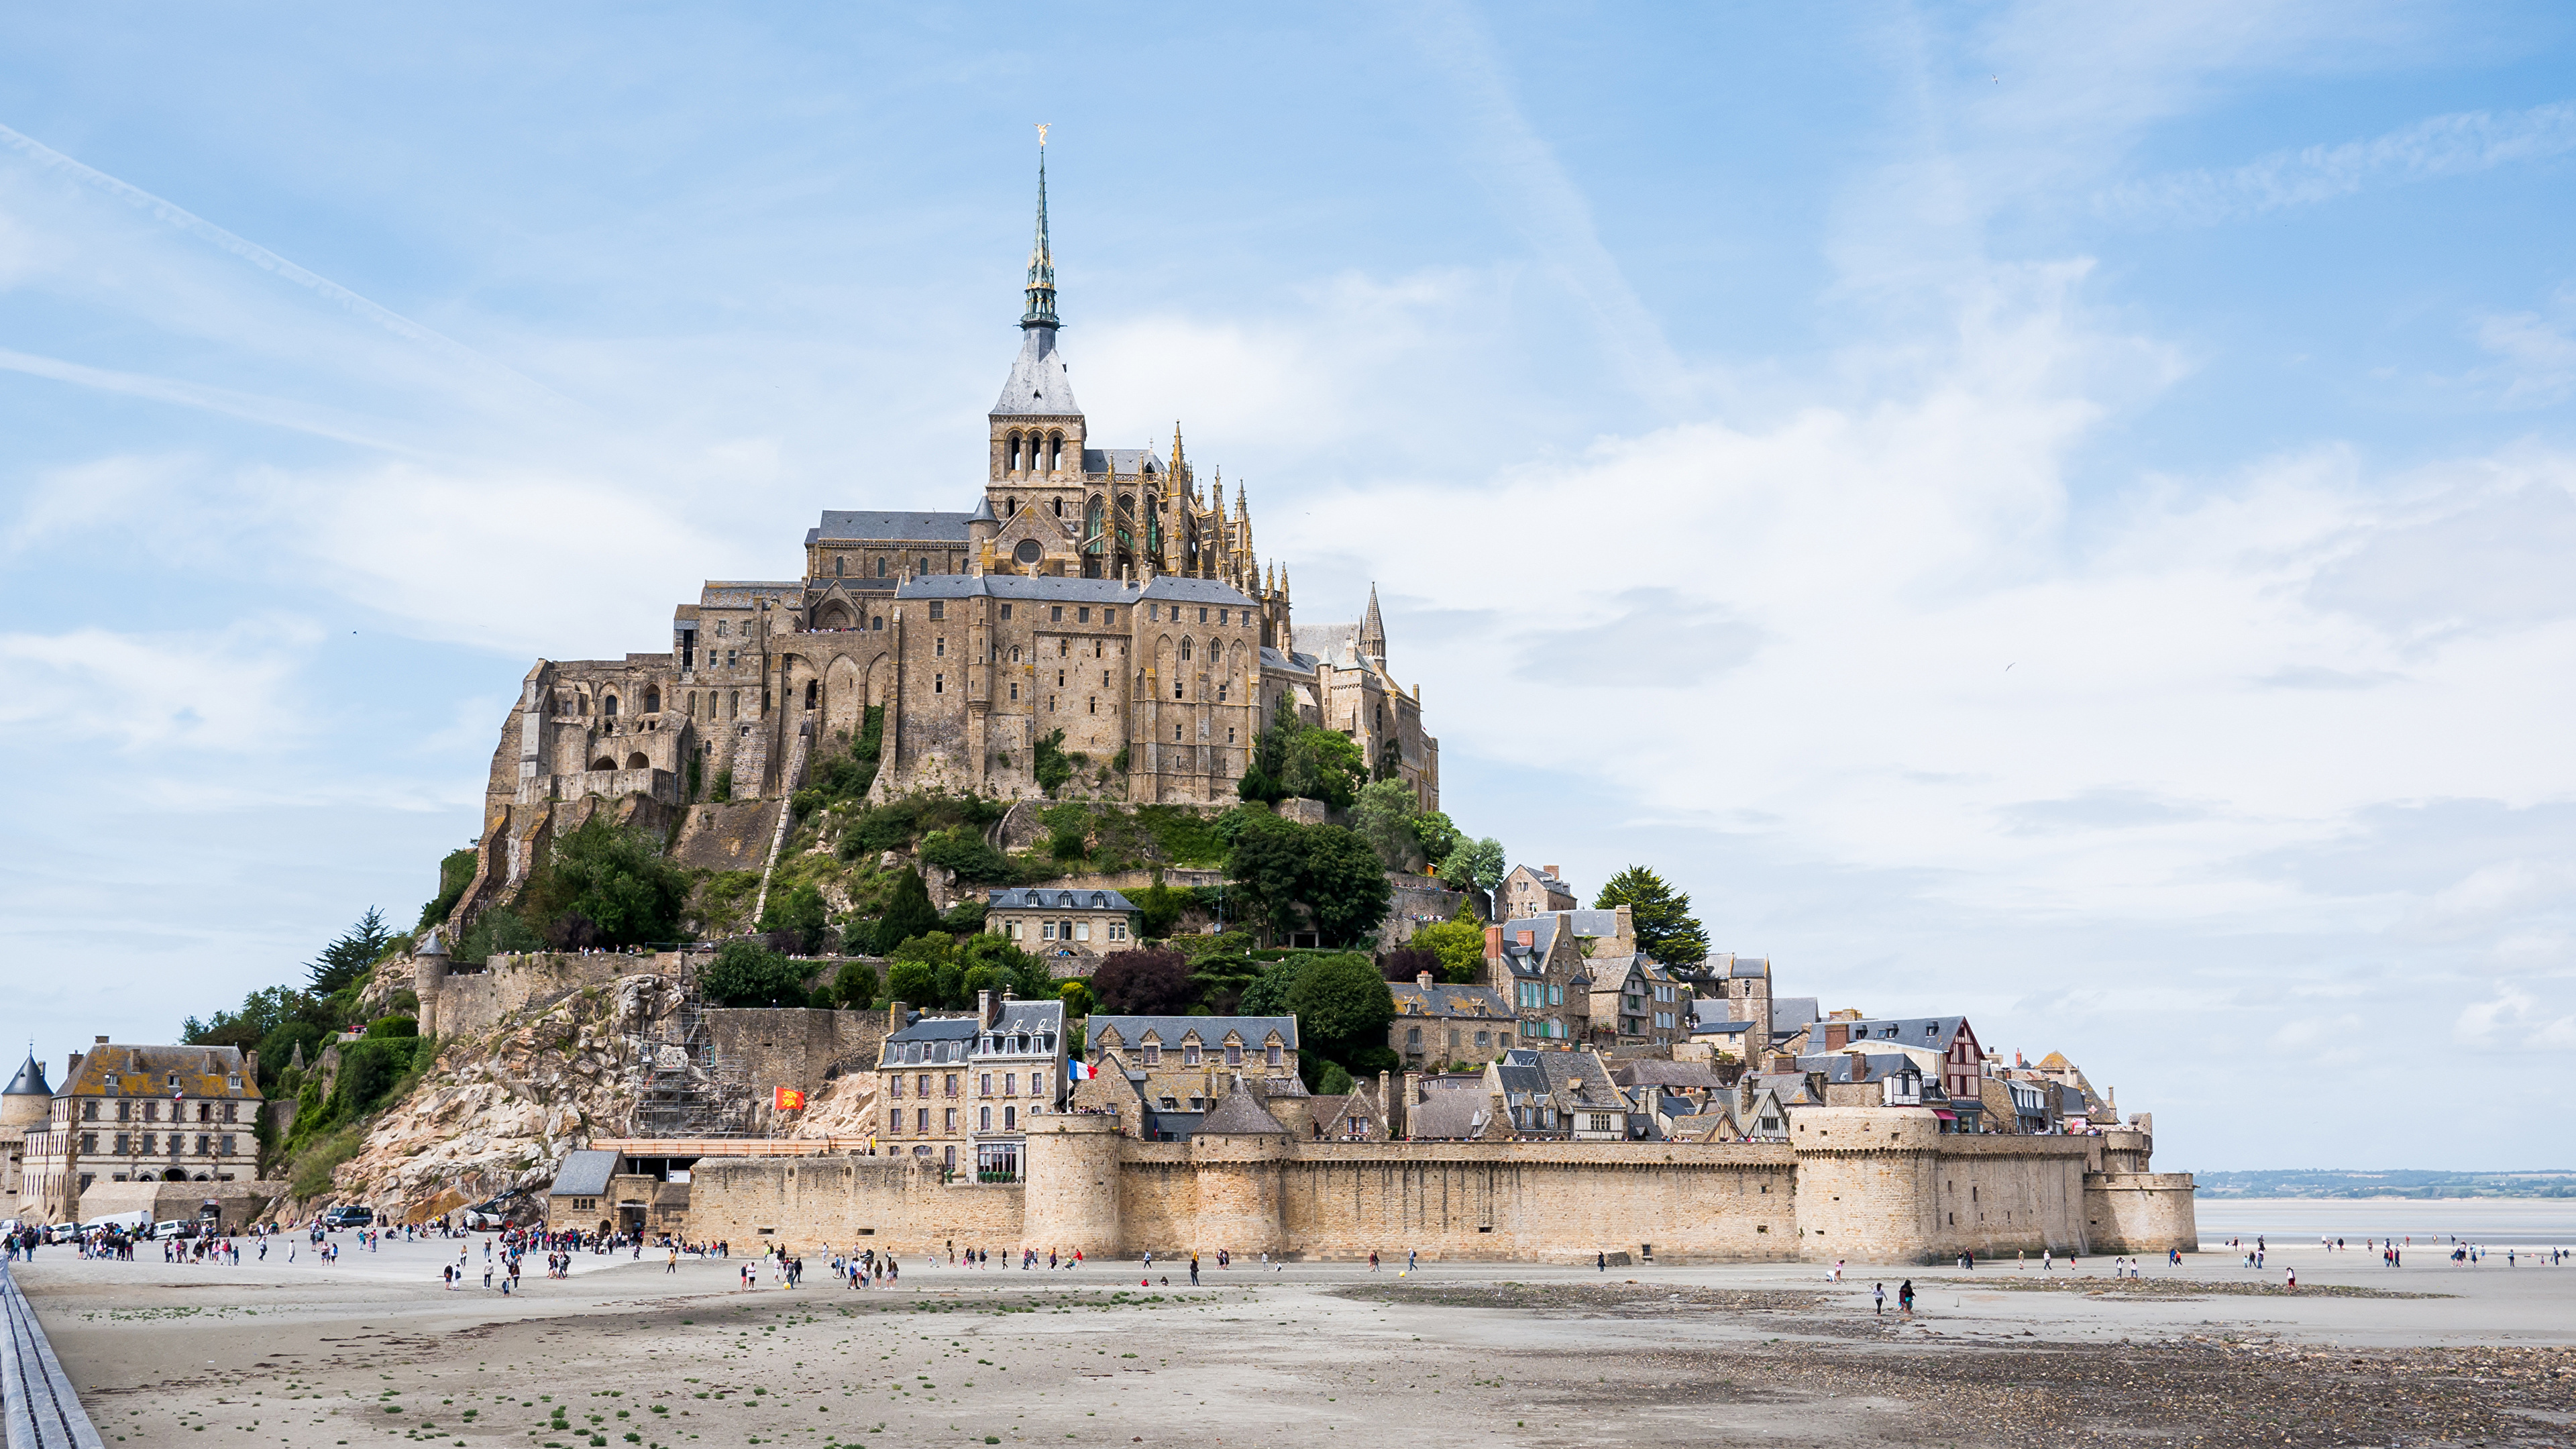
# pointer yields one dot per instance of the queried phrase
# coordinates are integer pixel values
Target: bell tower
(1036, 432)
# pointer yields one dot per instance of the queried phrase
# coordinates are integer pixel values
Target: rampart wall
(1869, 1185)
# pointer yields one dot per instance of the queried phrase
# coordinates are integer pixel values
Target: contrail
(181, 219)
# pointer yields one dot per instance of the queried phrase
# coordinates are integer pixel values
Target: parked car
(63, 1233)
(174, 1228)
(349, 1216)
(493, 1215)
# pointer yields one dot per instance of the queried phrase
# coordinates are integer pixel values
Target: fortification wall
(781, 1046)
(2140, 1212)
(471, 1002)
(810, 1204)
(1868, 1185)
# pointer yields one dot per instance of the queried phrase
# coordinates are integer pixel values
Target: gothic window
(878, 623)
(608, 706)
(733, 706)
(1185, 650)
(840, 568)
(925, 563)
(881, 566)
(1015, 651)
(1094, 524)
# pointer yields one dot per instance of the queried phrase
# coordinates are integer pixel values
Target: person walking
(1194, 1270)
(1600, 1262)
(1878, 1298)
(1372, 1260)
(1905, 1298)
(1411, 1256)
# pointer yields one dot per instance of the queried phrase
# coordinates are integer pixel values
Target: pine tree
(908, 915)
(346, 959)
(1661, 915)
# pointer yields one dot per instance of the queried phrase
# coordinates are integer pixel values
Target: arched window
(1055, 452)
(1095, 522)
(1185, 650)
(652, 699)
(636, 761)
(840, 568)
(877, 623)
(813, 692)
(604, 762)
(1011, 453)
(880, 566)
(608, 706)
(925, 563)
(733, 705)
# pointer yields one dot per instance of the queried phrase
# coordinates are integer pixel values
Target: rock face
(499, 1109)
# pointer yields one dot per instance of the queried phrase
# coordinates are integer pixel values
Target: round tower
(429, 977)
(1071, 1197)
(24, 1107)
(1238, 1151)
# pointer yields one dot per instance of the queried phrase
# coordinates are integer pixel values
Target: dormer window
(1153, 1053)
(1190, 1054)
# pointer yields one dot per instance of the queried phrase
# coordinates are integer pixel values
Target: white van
(175, 1228)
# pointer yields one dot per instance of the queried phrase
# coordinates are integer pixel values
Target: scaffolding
(683, 1088)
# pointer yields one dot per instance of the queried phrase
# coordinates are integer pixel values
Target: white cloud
(2535, 352)
(2428, 150)
(227, 690)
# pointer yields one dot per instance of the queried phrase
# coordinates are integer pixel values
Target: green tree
(746, 973)
(797, 911)
(908, 914)
(1053, 766)
(1661, 916)
(1477, 863)
(1324, 765)
(1158, 909)
(1301, 876)
(1268, 993)
(1460, 945)
(854, 986)
(1333, 1081)
(498, 931)
(1342, 1006)
(1384, 817)
(347, 958)
(1435, 835)
(606, 886)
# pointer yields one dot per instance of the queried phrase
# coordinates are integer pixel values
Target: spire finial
(1041, 288)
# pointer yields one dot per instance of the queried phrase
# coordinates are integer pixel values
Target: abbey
(1095, 600)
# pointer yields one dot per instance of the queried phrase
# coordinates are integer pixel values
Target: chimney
(1412, 1089)
(1836, 1034)
(1552, 872)
(1493, 942)
(1423, 979)
(984, 1010)
(1627, 928)
(102, 1041)
(1784, 1063)
(898, 1016)
(1529, 938)
(250, 1066)
(1859, 1066)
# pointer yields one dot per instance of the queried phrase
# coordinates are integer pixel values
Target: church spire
(1041, 289)
(1373, 631)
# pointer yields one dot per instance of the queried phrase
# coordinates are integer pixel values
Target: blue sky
(2057, 518)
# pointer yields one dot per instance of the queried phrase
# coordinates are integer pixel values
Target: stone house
(1358, 1116)
(1533, 891)
(1539, 964)
(1768, 1099)
(1566, 1095)
(1946, 1046)
(141, 1114)
(957, 1090)
(1862, 1079)
(1437, 1023)
(1636, 1001)
(1070, 930)
(1186, 1064)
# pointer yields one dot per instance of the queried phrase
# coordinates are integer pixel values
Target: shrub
(962, 848)
(385, 1026)
(854, 986)
(798, 912)
(1143, 982)
(311, 1174)
(1158, 909)
(724, 786)
(369, 1070)
(1054, 766)
(1460, 947)
(966, 918)
(455, 873)
(1332, 1081)
(605, 886)
(745, 973)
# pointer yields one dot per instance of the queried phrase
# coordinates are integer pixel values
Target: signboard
(789, 1100)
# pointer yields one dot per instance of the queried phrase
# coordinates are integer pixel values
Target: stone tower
(24, 1107)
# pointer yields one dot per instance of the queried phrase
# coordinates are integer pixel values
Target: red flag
(790, 1100)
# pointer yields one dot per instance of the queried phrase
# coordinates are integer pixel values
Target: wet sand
(374, 1351)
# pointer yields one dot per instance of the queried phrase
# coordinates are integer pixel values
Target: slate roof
(1450, 1114)
(1022, 899)
(1440, 999)
(943, 1039)
(1029, 1016)
(1060, 589)
(1565, 1079)
(1322, 640)
(1130, 462)
(1038, 384)
(1649, 1072)
(1169, 1030)
(1753, 967)
(1789, 1087)
(1238, 1113)
(30, 1081)
(113, 1069)
(1290, 663)
(1837, 1066)
(890, 525)
(584, 1174)
(1915, 1031)
(1789, 1013)
(1709, 1018)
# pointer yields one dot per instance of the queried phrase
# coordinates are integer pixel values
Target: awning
(1945, 1116)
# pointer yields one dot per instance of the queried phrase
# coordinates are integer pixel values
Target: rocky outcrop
(498, 1110)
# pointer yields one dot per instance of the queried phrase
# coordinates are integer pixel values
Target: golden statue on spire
(1042, 130)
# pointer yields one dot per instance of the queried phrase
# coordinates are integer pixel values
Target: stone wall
(1867, 1185)
(467, 1002)
(778, 1046)
(1415, 901)
(2140, 1212)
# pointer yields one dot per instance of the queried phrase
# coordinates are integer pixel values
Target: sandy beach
(375, 1350)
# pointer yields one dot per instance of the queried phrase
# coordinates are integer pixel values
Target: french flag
(1077, 1071)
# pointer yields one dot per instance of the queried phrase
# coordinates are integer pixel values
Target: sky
(2018, 510)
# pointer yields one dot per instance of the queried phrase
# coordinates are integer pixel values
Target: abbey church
(1100, 594)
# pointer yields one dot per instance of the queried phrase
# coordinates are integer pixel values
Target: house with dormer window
(1181, 1065)
(1070, 930)
(1540, 966)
